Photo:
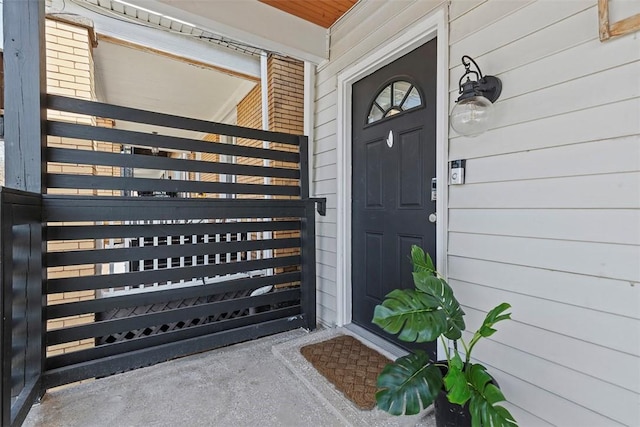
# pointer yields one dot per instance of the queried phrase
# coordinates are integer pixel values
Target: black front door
(394, 150)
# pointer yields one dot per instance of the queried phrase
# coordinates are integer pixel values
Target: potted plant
(413, 382)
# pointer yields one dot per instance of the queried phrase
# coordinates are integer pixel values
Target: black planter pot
(450, 414)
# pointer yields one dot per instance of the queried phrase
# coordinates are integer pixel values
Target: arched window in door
(397, 97)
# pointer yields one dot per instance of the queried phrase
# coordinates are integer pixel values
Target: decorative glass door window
(397, 97)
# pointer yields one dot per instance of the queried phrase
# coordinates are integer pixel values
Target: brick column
(70, 73)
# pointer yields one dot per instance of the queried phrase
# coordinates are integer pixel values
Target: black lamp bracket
(488, 86)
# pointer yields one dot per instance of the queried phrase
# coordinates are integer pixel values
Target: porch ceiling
(321, 12)
(137, 78)
(251, 22)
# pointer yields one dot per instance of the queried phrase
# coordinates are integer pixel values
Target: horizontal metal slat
(86, 157)
(106, 327)
(91, 108)
(136, 278)
(122, 347)
(96, 256)
(150, 355)
(126, 137)
(58, 208)
(146, 298)
(169, 185)
(76, 232)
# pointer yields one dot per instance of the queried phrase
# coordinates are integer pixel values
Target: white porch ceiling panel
(250, 22)
(114, 19)
(138, 79)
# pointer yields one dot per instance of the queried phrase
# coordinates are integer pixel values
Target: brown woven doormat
(349, 365)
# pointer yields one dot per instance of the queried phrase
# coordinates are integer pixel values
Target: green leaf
(493, 317)
(484, 398)
(421, 260)
(440, 290)
(408, 385)
(414, 315)
(456, 382)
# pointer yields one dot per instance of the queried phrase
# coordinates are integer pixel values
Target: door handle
(433, 217)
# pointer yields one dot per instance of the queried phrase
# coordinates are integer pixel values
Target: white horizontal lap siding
(549, 217)
(369, 25)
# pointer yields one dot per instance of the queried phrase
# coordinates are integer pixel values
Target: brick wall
(210, 157)
(70, 73)
(249, 114)
(285, 78)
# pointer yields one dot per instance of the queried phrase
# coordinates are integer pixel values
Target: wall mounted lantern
(472, 114)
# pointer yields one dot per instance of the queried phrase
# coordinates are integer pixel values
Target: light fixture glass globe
(472, 116)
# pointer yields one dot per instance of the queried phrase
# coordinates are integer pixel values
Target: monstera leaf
(408, 385)
(484, 396)
(416, 316)
(421, 261)
(455, 381)
(442, 292)
(493, 317)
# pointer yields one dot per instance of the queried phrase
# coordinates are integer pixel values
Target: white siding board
(327, 115)
(326, 258)
(326, 172)
(324, 158)
(343, 41)
(324, 145)
(614, 191)
(327, 244)
(382, 32)
(326, 316)
(573, 322)
(327, 272)
(583, 403)
(325, 84)
(325, 129)
(326, 229)
(326, 101)
(592, 158)
(522, 22)
(459, 8)
(621, 370)
(587, 58)
(326, 187)
(592, 124)
(486, 15)
(551, 408)
(559, 319)
(562, 319)
(587, 225)
(594, 259)
(331, 217)
(548, 41)
(593, 293)
(324, 299)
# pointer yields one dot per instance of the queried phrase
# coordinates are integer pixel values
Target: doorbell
(456, 176)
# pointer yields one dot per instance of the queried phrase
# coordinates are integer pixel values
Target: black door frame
(426, 29)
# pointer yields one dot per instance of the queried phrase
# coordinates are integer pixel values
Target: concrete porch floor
(265, 382)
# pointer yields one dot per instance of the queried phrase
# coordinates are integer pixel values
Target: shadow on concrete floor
(265, 382)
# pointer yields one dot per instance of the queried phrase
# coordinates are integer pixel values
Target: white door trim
(435, 25)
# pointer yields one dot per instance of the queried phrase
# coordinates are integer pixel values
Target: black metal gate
(228, 261)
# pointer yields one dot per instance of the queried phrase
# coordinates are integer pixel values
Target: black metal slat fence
(20, 302)
(163, 277)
